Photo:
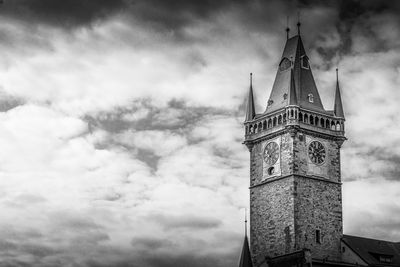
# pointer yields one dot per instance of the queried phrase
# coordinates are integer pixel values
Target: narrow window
(318, 236)
(304, 63)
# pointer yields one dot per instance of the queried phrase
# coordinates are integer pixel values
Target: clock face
(316, 152)
(271, 153)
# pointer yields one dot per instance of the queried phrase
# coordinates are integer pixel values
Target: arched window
(259, 126)
(322, 122)
(311, 120)
(327, 124)
(279, 119)
(333, 126)
(284, 118)
(300, 116)
(264, 125)
(274, 122)
(316, 121)
(305, 118)
(291, 114)
(295, 114)
(269, 123)
(338, 126)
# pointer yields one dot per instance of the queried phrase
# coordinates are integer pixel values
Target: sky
(121, 123)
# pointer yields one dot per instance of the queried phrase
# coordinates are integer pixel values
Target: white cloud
(160, 143)
(68, 190)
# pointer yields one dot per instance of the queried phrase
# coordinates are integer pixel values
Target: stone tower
(295, 183)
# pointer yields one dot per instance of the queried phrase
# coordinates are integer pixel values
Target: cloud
(68, 13)
(191, 221)
(373, 202)
(121, 125)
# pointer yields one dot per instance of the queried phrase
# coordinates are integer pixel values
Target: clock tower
(295, 183)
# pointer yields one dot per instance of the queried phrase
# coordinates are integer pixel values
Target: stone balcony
(265, 124)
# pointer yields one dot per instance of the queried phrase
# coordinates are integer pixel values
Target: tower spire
(338, 108)
(245, 257)
(250, 110)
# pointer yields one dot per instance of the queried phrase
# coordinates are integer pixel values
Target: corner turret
(338, 107)
(250, 110)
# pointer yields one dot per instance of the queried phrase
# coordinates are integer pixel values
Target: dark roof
(303, 80)
(250, 110)
(371, 249)
(245, 257)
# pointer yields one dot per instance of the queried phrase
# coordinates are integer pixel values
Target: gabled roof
(250, 110)
(303, 79)
(245, 257)
(370, 250)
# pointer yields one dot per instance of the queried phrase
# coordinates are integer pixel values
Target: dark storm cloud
(71, 13)
(66, 13)
(175, 14)
(359, 12)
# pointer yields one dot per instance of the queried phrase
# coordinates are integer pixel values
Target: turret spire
(250, 110)
(245, 257)
(338, 108)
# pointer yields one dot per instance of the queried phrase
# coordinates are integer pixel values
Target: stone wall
(272, 219)
(288, 207)
(318, 206)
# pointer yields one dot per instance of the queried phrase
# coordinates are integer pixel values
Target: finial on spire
(298, 22)
(337, 75)
(251, 79)
(245, 222)
(287, 27)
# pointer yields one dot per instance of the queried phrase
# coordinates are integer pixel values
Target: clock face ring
(271, 153)
(316, 152)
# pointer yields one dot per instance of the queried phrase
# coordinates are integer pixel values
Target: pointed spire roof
(338, 108)
(245, 257)
(250, 110)
(294, 58)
